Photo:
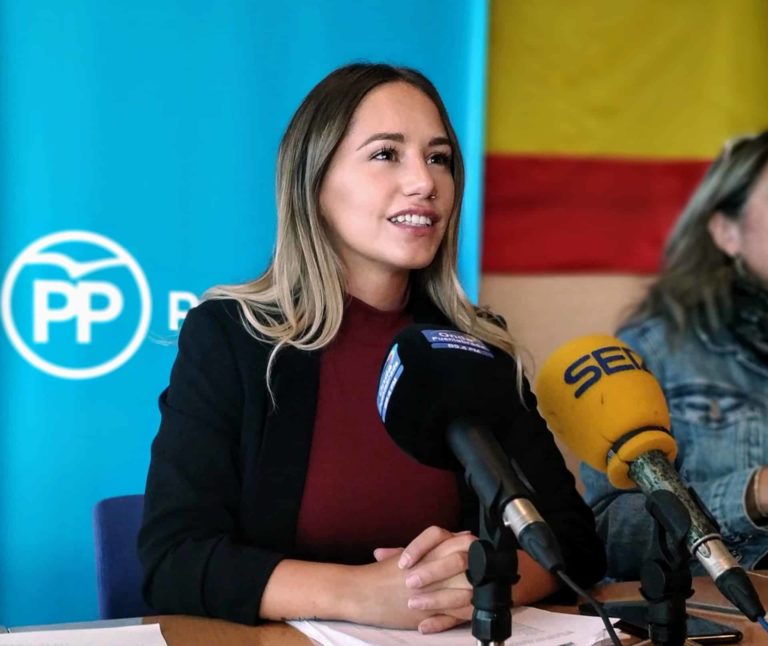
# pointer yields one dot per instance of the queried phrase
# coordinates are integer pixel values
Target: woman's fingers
(436, 571)
(383, 553)
(422, 545)
(454, 601)
(458, 581)
(439, 623)
(459, 542)
(442, 597)
(433, 542)
(436, 561)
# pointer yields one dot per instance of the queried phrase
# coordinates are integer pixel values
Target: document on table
(530, 627)
(148, 635)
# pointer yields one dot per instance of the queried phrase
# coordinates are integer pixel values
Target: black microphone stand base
(665, 579)
(492, 571)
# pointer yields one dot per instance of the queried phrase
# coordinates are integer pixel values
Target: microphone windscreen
(434, 375)
(597, 395)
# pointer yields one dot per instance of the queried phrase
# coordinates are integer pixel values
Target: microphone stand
(492, 571)
(666, 578)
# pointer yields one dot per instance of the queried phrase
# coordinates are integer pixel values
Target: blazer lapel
(283, 455)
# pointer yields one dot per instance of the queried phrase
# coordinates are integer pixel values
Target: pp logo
(76, 304)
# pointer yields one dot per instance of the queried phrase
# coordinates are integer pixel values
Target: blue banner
(137, 147)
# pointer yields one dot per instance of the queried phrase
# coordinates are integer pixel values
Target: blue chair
(116, 523)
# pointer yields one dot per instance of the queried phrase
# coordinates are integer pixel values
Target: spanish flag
(603, 115)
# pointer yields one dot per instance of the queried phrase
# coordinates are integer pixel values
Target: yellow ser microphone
(597, 395)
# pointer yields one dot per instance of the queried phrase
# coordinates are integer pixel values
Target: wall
(544, 311)
(153, 124)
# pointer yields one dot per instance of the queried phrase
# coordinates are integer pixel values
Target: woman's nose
(418, 180)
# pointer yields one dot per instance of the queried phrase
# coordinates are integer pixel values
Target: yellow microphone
(598, 396)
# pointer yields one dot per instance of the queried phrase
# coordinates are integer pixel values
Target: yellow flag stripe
(628, 78)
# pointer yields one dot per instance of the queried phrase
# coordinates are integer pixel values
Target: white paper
(530, 627)
(148, 635)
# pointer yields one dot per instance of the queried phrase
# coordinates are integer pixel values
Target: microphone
(443, 397)
(597, 395)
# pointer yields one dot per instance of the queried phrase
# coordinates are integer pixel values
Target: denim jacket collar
(723, 342)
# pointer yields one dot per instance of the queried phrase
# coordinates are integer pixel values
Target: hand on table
(434, 566)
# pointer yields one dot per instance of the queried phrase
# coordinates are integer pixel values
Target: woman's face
(388, 193)
(748, 235)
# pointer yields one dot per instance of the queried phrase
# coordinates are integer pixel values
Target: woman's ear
(725, 233)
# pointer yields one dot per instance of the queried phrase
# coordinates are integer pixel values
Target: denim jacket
(717, 392)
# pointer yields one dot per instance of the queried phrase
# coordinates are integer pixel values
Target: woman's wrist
(352, 594)
(363, 598)
(303, 590)
(756, 497)
(349, 594)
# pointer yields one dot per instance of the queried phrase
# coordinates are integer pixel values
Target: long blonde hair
(694, 284)
(299, 300)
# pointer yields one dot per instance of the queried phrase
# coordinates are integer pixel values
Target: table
(194, 631)
(705, 593)
(197, 631)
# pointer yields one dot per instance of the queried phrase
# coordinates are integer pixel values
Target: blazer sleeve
(189, 545)
(532, 446)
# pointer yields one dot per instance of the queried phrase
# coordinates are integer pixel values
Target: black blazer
(227, 471)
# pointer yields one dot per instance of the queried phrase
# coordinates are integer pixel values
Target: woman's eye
(441, 159)
(385, 154)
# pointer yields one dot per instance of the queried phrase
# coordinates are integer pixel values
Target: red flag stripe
(547, 214)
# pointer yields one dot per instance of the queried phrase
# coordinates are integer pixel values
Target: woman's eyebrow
(399, 137)
(383, 136)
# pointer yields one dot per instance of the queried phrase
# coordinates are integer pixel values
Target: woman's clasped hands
(433, 584)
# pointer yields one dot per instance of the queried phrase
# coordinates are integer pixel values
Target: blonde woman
(274, 491)
(703, 331)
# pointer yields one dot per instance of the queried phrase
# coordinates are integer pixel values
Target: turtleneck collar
(749, 321)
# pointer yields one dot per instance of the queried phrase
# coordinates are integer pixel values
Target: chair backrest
(116, 523)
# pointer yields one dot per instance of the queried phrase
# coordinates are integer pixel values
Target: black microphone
(444, 398)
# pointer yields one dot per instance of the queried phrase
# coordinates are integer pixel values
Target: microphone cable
(596, 605)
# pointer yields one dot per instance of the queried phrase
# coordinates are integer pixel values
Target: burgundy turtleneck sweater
(361, 490)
